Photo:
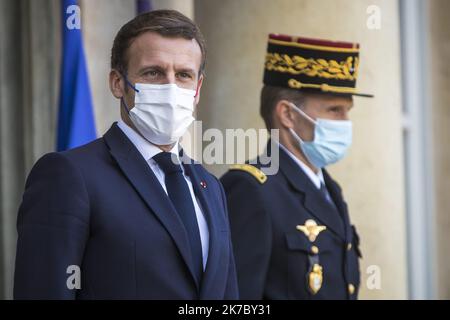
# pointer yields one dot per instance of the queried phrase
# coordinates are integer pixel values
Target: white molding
(418, 150)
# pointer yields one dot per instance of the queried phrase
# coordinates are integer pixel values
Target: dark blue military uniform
(289, 241)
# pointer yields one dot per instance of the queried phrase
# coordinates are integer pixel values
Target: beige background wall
(101, 20)
(372, 175)
(440, 101)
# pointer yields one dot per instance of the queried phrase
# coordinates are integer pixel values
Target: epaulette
(255, 172)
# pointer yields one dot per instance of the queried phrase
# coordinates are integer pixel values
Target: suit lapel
(215, 258)
(313, 201)
(136, 169)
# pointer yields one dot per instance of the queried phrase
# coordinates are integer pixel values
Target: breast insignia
(311, 229)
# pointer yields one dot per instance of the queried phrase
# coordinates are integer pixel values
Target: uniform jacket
(273, 258)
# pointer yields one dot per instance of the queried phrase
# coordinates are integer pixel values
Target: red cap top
(314, 42)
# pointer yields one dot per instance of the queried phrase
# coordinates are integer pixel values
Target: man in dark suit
(129, 212)
(291, 231)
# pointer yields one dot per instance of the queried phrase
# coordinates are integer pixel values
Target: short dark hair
(167, 23)
(271, 95)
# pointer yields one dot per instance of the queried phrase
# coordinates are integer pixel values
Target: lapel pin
(311, 229)
(203, 184)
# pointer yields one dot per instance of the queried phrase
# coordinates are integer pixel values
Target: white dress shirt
(148, 151)
(316, 178)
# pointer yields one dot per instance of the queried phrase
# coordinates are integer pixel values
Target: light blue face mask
(332, 139)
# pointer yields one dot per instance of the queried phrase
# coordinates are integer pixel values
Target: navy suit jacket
(272, 256)
(100, 207)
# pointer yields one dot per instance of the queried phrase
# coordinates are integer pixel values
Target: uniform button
(351, 289)
(314, 250)
(349, 246)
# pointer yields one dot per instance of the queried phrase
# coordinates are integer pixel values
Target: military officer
(291, 231)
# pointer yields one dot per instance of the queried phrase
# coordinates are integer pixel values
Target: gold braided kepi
(312, 65)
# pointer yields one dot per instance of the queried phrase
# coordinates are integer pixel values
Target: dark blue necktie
(324, 191)
(179, 194)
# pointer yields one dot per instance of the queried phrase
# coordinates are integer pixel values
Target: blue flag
(76, 124)
(143, 6)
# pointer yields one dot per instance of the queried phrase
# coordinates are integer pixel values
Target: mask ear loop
(128, 82)
(122, 100)
(303, 113)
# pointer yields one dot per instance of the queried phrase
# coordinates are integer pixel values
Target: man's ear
(116, 84)
(199, 87)
(283, 114)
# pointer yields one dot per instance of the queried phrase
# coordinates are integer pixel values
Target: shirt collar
(145, 148)
(316, 179)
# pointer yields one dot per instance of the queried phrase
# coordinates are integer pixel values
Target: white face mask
(162, 112)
